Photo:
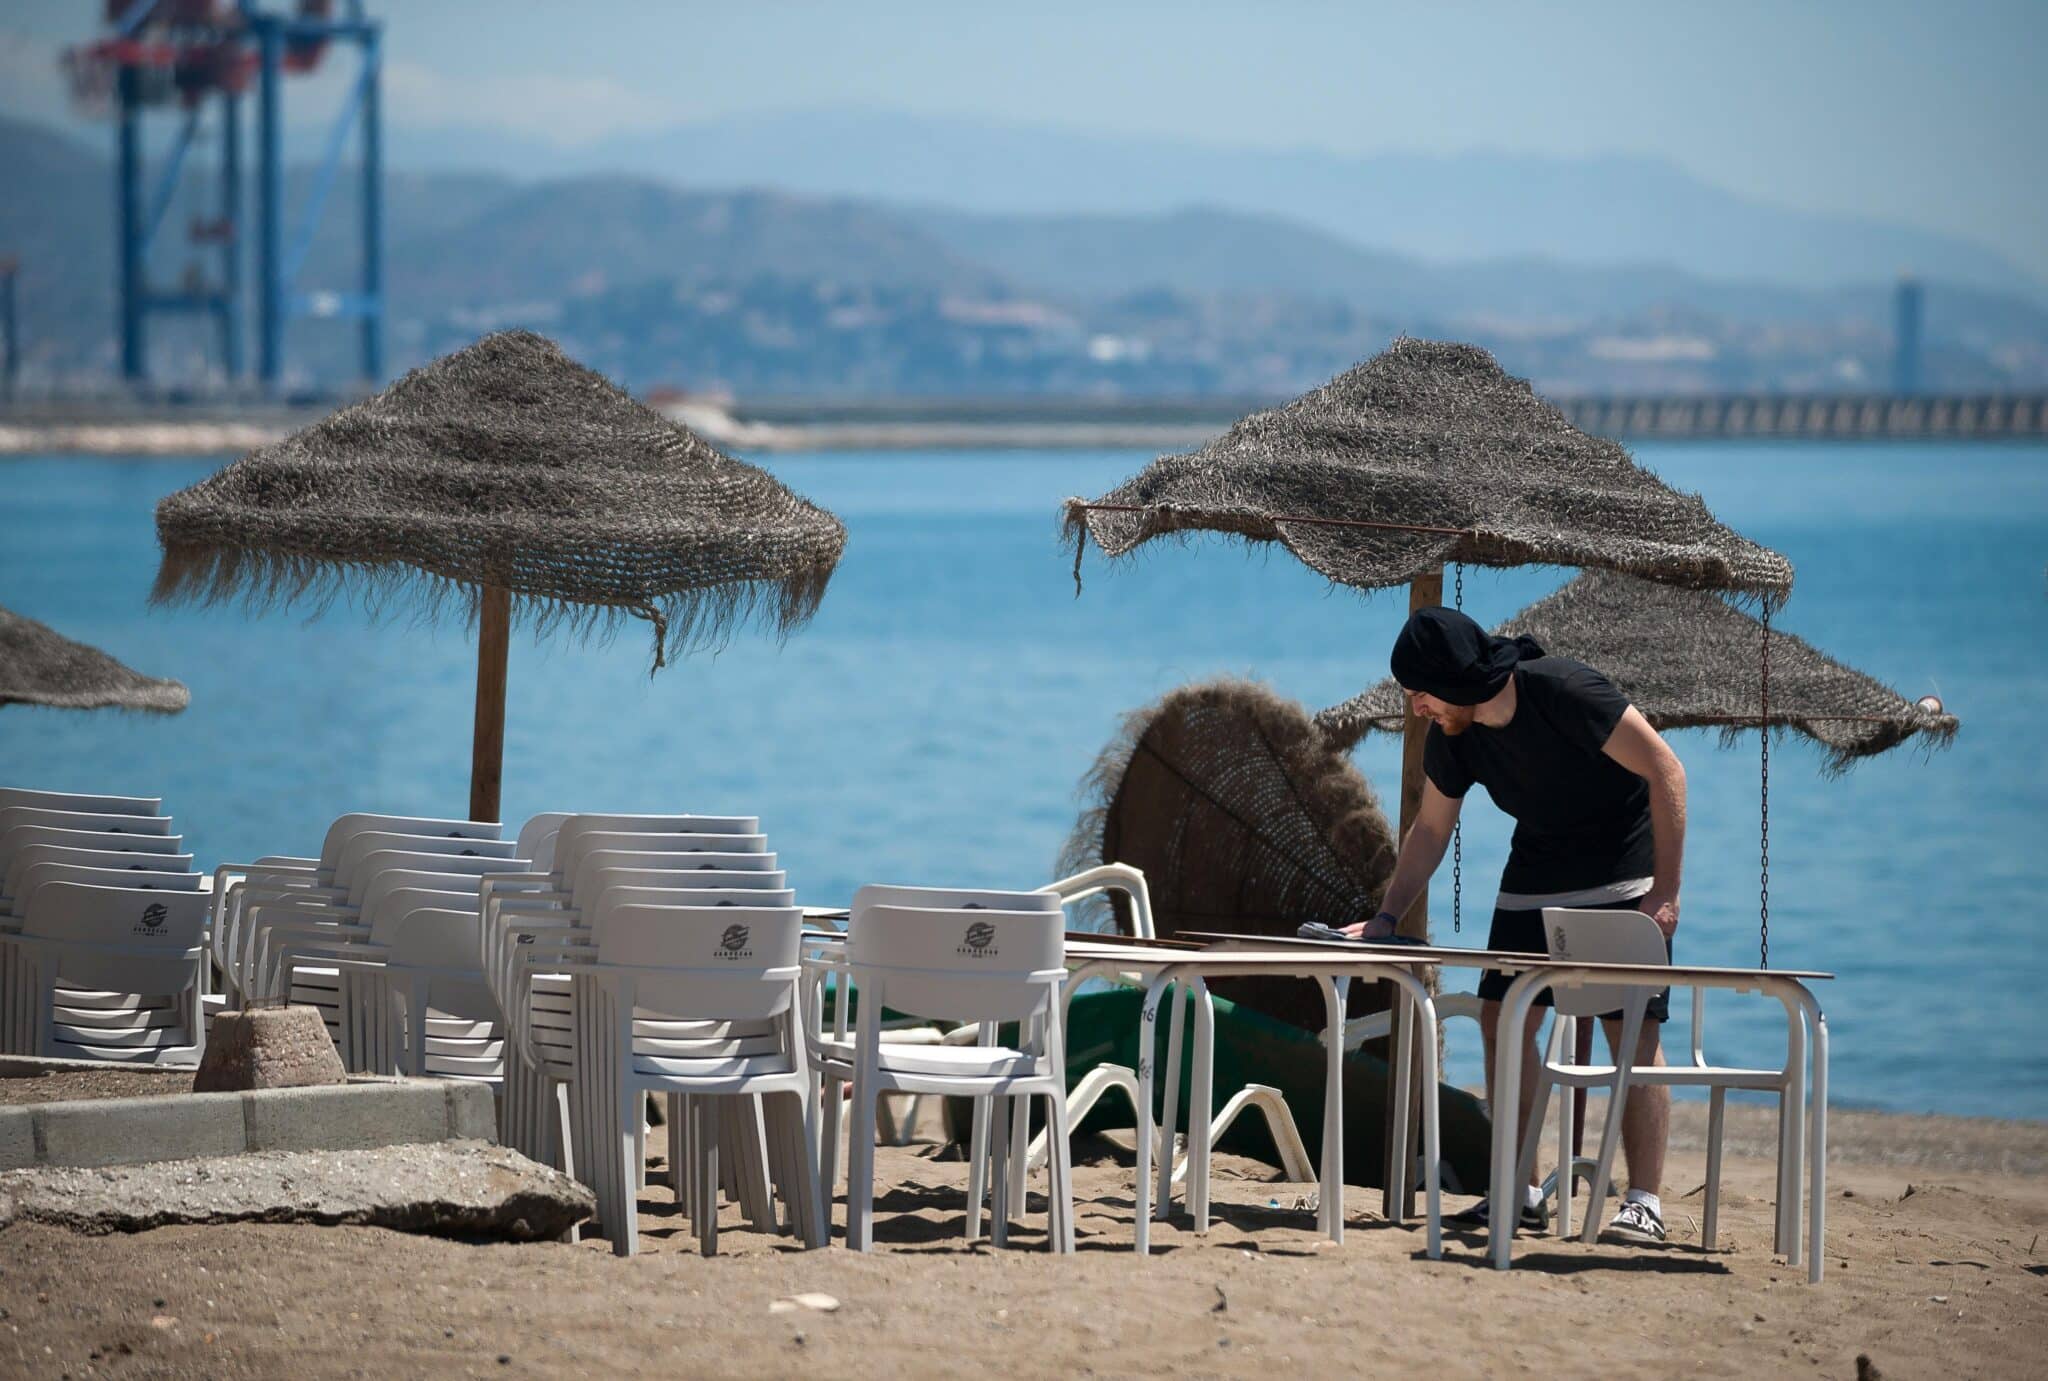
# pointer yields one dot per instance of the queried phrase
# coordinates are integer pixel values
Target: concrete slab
(124, 1131)
(346, 1117)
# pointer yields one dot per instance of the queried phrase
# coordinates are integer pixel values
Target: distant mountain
(788, 292)
(1587, 211)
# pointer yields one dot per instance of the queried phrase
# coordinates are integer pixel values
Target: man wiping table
(1598, 800)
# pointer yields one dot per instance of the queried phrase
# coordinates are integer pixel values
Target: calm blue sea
(931, 725)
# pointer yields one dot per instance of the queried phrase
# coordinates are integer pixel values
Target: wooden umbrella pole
(1398, 1195)
(487, 759)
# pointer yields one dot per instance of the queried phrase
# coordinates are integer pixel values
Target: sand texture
(1932, 1271)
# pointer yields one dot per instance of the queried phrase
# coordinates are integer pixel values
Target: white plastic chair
(232, 882)
(1623, 937)
(964, 963)
(726, 979)
(20, 837)
(134, 946)
(529, 979)
(84, 1008)
(71, 800)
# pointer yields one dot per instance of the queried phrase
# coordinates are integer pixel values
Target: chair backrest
(36, 874)
(358, 821)
(96, 821)
(966, 898)
(597, 861)
(965, 963)
(1602, 937)
(537, 837)
(10, 884)
(572, 848)
(385, 860)
(576, 826)
(627, 887)
(708, 962)
(20, 837)
(456, 888)
(69, 800)
(363, 843)
(88, 913)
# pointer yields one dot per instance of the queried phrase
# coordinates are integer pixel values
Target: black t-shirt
(1581, 818)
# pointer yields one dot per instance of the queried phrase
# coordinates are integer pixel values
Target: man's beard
(1457, 719)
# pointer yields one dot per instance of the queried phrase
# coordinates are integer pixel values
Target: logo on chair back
(152, 919)
(1559, 946)
(733, 944)
(979, 942)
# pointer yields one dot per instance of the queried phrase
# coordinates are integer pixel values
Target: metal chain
(1458, 828)
(1764, 809)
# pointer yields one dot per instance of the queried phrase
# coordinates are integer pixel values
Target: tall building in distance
(1906, 309)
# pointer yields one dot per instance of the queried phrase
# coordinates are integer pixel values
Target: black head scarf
(1442, 653)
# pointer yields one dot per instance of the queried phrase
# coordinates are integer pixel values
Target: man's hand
(1378, 928)
(1662, 909)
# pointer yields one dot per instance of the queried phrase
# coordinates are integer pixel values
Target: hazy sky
(1930, 113)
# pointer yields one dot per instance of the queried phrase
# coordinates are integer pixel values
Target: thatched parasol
(39, 666)
(1687, 660)
(1243, 818)
(503, 474)
(1427, 454)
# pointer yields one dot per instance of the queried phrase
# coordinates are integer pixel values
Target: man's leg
(1489, 1034)
(1646, 1120)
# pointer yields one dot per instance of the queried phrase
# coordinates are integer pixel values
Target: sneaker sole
(1631, 1236)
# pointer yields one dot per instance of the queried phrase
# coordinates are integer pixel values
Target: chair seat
(113, 1019)
(132, 1038)
(713, 1067)
(95, 999)
(186, 1054)
(960, 1061)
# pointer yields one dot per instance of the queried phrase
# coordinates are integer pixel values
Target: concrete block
(128, 1131)
(271, 1047)
(472, 1112)
(17, 1138)
(347, 1117)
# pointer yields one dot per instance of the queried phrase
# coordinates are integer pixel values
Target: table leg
(1330, 1204)
(1817, 1204)
(1201, 1102)
(1398, 1170)
(1503, 1194)
(1148, 1026)
(1170, 1118)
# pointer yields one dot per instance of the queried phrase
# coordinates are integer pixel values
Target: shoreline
(129, 429)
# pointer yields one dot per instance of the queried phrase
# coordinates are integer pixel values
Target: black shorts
(1521, 932)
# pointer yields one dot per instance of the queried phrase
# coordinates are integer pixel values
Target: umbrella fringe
(684, 621)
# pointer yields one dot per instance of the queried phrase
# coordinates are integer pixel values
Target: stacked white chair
(699, 1003)
(553, 904)
(958, 956)
(95, 839)
(107, 972)
(275, 877)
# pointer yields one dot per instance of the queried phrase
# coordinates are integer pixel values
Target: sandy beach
(1935, 1267)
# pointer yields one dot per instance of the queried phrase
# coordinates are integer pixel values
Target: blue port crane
(181, 57)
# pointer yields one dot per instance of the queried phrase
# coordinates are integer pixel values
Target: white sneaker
(1637, 1222)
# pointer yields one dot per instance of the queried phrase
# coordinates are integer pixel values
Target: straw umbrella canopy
(1244, 818)
(506, 474)
(1687, 659)
(40, 666)
(1427, 454)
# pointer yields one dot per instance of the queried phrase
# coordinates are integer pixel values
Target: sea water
(933, 723)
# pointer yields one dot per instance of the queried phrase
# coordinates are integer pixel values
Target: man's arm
(1639, 748)
(1420, 852)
